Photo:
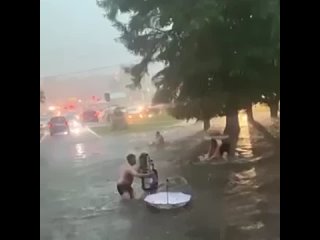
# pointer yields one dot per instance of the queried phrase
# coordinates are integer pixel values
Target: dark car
(118, 119)
(58, 125)
(90, 116)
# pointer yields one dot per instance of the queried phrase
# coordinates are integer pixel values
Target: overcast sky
(74, 36)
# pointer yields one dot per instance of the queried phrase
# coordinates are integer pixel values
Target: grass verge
(150, 124)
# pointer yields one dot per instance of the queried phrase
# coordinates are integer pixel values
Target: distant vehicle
(73, 119)
(118, 119)
(58, 124)
(90, 116)
(72, 115)
(136, 114)
(106, 114)
(153, 111)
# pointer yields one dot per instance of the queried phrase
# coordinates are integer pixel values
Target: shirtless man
(128, 172)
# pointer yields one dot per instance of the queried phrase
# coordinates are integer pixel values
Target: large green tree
(225, 51)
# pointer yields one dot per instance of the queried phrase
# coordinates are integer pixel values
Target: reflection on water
(79, 155)
(225, 197)
(80, 152)
(243, 203)
(244, 147)
(246, 175)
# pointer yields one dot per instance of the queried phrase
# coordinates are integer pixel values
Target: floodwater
(78, 198)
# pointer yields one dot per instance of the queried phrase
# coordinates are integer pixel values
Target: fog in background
(78, 51)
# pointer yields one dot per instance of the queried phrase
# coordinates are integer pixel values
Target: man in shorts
(128, 172)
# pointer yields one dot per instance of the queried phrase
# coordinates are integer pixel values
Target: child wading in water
(149, 183)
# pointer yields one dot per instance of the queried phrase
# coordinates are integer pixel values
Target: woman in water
(149, 183)
(215, 151)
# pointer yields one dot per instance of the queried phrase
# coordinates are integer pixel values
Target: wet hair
(131, 158)
(143, 161)
(143, 155)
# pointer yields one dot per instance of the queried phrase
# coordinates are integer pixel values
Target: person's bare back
(125, 181)
(127, 174)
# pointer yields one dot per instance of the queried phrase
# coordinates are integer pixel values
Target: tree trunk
(232, 123)
(206, 124)
(274, 108)
(249, 113)
(232, 129)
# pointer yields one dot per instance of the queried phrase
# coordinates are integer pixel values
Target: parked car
(90, 116)
(58, 124)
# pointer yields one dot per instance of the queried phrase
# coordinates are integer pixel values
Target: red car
(90, 116)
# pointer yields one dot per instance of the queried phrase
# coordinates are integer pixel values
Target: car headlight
(75, 124)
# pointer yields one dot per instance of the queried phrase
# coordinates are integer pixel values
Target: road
(78, 199)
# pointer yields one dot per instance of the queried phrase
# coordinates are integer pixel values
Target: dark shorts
(225, 148)
(122, 188)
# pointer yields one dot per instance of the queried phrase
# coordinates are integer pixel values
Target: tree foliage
(219, 56)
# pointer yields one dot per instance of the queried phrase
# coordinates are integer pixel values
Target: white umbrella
(168, 200)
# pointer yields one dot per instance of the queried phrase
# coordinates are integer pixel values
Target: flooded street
(78, 174)
(78, 197)
(194, 85)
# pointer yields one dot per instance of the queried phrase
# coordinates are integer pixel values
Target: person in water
(155, 178)
(216, 150)
(159, 142)
(128, 172)
(213, 151)
(150, 183)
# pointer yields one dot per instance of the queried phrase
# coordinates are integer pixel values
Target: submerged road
(79, 201)
(78, 198)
